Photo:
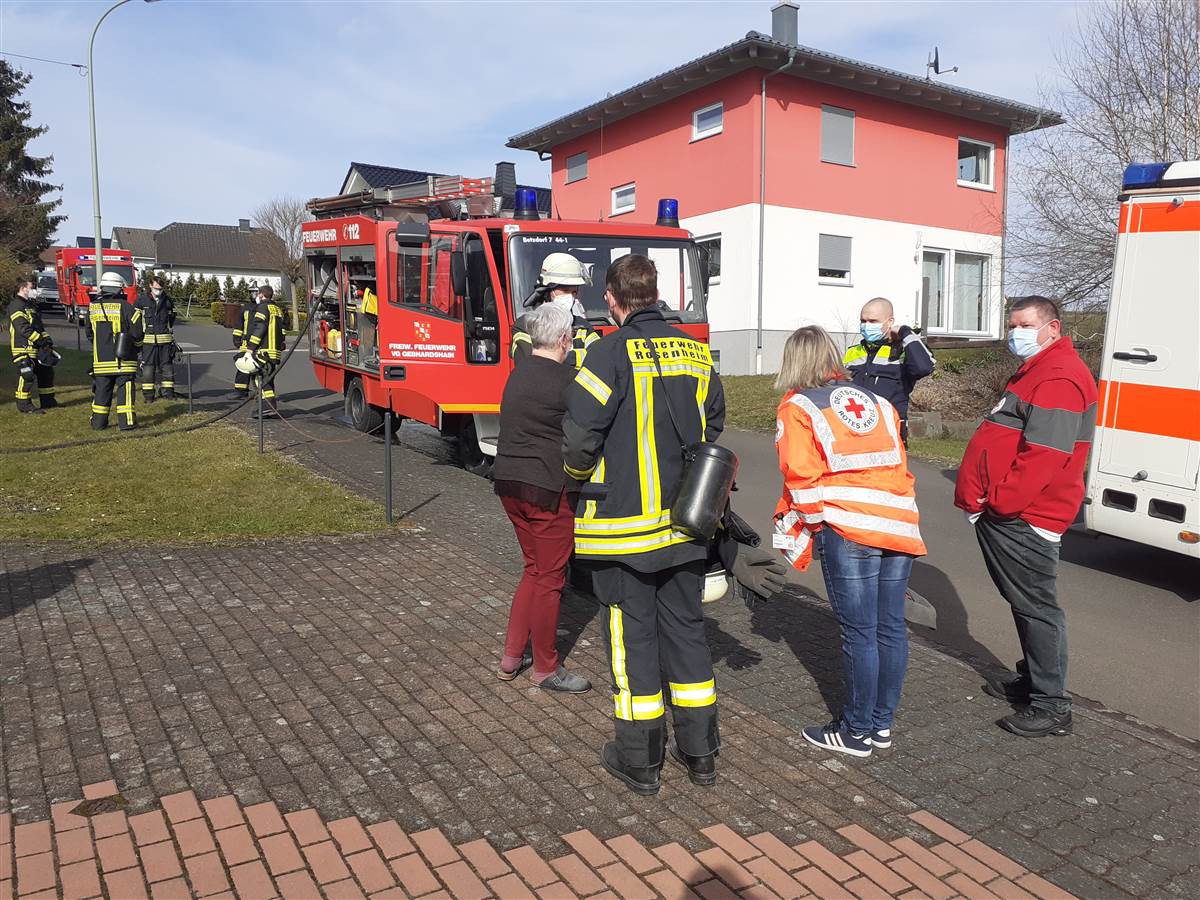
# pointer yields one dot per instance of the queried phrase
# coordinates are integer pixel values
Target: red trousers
(546, 539)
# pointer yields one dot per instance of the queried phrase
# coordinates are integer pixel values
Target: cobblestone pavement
(350, 680)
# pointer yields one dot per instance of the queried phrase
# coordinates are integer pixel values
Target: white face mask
(1023, 342)
(563, 301)
(156, 292)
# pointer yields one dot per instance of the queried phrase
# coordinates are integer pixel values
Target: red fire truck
(76, 271)
(451, 266)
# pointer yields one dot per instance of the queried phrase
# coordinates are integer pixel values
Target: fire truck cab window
(423, 278)
(483, 329)
(680, 286)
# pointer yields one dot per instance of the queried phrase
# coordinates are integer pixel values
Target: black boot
(702, 770)
(99, 423)
(642, 780)
(168, 394)
(48, 403)
(1034, 722)
(1012, 688)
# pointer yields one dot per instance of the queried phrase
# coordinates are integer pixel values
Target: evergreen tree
(27, 222)
(229, 292)
(243, 289)
(189, 286)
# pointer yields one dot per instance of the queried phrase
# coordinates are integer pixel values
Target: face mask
(156, 293)
(871, 331)
(1023, 342)
(563, 301)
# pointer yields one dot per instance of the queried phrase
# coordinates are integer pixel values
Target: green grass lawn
(751, 401)
(204, 486)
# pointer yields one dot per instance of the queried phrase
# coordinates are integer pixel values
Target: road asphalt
(1132, 611)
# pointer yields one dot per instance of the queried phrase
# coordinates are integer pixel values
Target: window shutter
(577, 167)
(837, 135)
(834, 252)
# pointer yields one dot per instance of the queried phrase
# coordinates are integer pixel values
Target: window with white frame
(975, 163)
(710, 246)
(624, 198)
(956, 291)
(833, 259)
(837, 135)
(708, 121)
(577, 167)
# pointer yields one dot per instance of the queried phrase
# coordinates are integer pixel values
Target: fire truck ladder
(445, 197)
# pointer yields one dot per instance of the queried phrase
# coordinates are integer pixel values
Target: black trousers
(109, 389)
(158, 367)
(42, 381)
(659, 656)
(1024, 566)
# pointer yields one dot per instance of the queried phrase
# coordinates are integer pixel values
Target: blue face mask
(871, 331)
(1023, 342)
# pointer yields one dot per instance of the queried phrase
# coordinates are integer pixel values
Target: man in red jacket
(1021, 484)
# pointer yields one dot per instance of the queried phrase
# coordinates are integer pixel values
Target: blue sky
(208, 107)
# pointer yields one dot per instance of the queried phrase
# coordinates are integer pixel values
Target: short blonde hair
(810, 359)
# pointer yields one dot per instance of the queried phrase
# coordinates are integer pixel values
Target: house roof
(86, 242)
(757, 50)
(49, 255)
(138, 241)
(388, 176)
(183, 244)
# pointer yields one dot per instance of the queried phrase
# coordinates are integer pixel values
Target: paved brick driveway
(271, 718)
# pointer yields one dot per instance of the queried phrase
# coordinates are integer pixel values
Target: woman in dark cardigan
(539, 498)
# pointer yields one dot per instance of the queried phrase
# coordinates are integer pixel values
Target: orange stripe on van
(1150, 409)
(1159, 217)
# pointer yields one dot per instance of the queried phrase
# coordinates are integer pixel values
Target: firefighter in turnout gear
(158, 347)
(264, 339)
(560, 281)
(31, 348)
(116, 332)
(618, 437)
(241, 331)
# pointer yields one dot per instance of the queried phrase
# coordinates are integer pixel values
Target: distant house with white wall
(861, 181)
(203, 251)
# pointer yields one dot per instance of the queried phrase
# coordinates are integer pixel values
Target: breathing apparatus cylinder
(708, 475)
(124, 346)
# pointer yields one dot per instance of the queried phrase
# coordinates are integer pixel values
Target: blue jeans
(866, 588)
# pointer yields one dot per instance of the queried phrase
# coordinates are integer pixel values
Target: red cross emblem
(855, 407)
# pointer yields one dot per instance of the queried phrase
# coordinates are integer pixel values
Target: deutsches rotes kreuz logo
(856, 409)
(778, 430)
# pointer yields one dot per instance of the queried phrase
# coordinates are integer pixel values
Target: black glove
(44, 341)
(760, 572)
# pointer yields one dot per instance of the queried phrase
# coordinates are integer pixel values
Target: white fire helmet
(716, 585)
(246, 363)
(111, 281)
(563, 268)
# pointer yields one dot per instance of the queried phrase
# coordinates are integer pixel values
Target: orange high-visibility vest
(844, 466)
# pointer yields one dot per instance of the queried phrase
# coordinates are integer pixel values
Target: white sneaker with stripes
(837, 737)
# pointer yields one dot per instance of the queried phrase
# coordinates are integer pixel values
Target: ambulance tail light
(1189, 537)
(668, 213)
(525, 204)
(1143, 175)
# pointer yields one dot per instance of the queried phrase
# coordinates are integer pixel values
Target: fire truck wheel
(470, 457)
(362, 415)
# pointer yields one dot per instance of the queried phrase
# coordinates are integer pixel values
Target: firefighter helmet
(111, 282)
(246, 364)
(716, 585)
(563, 268)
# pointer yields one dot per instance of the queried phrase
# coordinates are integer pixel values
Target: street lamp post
(95, 163)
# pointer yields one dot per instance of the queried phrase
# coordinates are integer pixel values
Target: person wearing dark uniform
(115, 325)
(888, 361)
(241, 381)
(29, 341)
(158, 348)
(619, 438)
(264, 339)
(559, 283)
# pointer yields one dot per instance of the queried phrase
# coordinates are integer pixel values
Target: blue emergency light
(668, 213)
(525, 204)
(1142, 175)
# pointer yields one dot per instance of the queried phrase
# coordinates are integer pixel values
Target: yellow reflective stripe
(577, 474)
(589, 508)
(519, 337)
(699, 693)
(606, 546)
(99, 410)
(701, 396)
(616, 633)
(625, 524)
(593, 385)
(647, 448)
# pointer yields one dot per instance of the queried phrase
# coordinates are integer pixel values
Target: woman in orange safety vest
(846, 486)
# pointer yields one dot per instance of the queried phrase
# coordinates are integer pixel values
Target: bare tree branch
(1130, 93)
(283, 216)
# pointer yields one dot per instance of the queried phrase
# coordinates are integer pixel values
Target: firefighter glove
(760, 573)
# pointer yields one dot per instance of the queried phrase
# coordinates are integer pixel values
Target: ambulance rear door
(1150, 373)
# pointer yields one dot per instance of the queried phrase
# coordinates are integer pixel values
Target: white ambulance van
(1142, 478)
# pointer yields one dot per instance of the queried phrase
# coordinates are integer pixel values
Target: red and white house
(862, 182)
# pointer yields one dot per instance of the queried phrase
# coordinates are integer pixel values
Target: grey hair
(548, 325)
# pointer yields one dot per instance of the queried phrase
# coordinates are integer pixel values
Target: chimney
(243, 224)
(784, 25)
(504, 185)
